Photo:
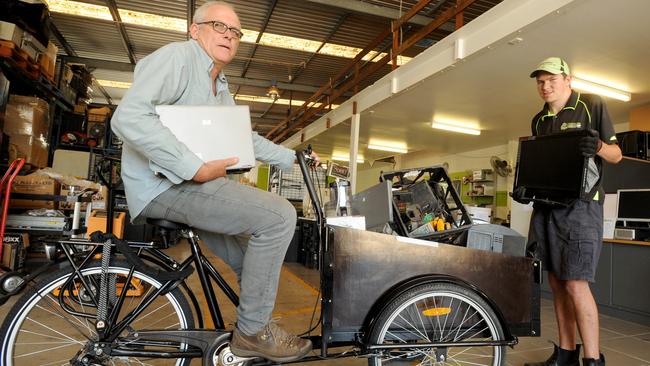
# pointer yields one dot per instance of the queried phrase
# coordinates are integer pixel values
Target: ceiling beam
(336, 27)
(101, 64)
(259, 36)
(62, 41)
(126, 42)
(191, 7)
(380, 11)
(282, 86)
(71, 52)
(127, 67)
(435, 8)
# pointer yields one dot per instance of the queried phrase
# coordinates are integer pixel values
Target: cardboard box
(34, 184)
(80, 108)
(98, 114)
(52, 51)
(32, 46)
(34, 150)
(478, 175)
(11, 32)
(14, 250)
(97, 221)
(47, 66)
(27, 116)
(99, 199)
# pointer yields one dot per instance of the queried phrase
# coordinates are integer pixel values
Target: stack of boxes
(25, 25)
(41, 55)
(27, 125)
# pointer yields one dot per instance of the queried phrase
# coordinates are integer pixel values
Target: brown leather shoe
(271, 342)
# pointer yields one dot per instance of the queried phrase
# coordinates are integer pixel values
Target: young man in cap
(568, 239)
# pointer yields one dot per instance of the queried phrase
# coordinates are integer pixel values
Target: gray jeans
(248, 228)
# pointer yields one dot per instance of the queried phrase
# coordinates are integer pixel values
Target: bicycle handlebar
(303, 158)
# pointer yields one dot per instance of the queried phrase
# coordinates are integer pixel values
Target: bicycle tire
(38, 319)
(430, 313)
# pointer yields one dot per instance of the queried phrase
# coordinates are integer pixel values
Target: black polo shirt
(582, 111)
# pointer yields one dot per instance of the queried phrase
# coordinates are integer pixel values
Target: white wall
(368, 176)
(468, 160)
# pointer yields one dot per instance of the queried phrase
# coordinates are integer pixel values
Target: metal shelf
(41, 86)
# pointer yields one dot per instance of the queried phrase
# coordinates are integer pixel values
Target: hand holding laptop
(213, 169)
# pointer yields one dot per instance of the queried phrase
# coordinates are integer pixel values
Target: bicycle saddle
(166, 224)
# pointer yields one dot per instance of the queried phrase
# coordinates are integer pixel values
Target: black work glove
(590, 144)
(518, 195)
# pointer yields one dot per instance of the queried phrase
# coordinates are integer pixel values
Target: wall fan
(500, 166)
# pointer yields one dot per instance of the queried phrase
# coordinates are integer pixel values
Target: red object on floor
(5, 191)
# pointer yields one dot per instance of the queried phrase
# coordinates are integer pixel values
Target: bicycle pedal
(225, 357)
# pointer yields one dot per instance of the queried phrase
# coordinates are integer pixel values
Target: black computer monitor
(551, 168)
(633, 205)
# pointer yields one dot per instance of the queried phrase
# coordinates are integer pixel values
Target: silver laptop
(212, 132)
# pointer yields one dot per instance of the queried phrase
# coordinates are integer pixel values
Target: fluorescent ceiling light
(600, 89)
(180, 25)
(294, 102)
(388, 148)
(454, 128)
(360, 159)
(114, 84)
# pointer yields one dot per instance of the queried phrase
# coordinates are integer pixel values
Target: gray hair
(199, 14)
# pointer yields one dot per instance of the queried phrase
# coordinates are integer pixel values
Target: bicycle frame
(150, 251)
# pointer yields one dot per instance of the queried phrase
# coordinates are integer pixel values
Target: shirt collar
(570, 104)
(205, 60)
(203, 57)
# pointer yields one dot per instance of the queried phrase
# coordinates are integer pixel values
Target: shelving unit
(22, 82)
(482, 189)
(76, 228)
(25, 79)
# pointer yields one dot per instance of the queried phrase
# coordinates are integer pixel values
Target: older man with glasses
(247, 227)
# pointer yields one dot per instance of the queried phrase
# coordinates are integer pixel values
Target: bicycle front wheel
(438, 313)
(39, 331)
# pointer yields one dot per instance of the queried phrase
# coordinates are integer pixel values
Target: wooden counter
(631, 242)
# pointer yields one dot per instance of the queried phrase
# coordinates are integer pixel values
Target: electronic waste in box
(426, 205)
(97, 222)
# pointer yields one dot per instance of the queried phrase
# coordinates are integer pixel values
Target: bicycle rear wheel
(438, 313)
(38, 331)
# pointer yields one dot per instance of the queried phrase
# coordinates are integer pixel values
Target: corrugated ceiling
(306, 19)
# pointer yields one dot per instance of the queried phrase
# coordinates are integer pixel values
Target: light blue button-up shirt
(178, 73)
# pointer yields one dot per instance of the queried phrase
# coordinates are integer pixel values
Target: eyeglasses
(222, 28)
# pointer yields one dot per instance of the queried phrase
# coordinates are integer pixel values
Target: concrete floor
(622, 342)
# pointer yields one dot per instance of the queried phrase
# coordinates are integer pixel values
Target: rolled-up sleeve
(136, 122)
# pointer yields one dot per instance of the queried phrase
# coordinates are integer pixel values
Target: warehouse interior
(386, 92)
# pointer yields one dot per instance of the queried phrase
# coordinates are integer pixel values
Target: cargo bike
(390, 299)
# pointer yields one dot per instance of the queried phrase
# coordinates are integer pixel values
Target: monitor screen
(633, 204)
(551, 165)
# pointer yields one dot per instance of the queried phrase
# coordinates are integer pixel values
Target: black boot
(561, 357)
(594, 362)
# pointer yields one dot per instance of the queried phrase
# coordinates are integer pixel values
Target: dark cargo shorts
(568, 240)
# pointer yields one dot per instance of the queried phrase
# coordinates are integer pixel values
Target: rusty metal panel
(363, 266)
